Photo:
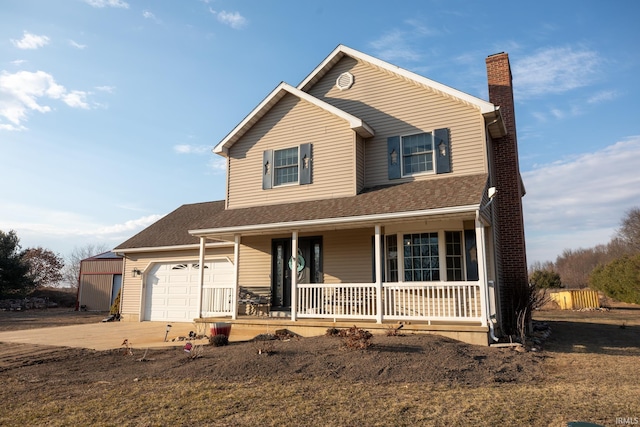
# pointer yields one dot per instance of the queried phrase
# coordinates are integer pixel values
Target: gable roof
(444, 90)
(104, 255)
(172, 229)
(411, 199)
(358, 125)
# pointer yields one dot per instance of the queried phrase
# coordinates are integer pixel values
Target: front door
(308, 270)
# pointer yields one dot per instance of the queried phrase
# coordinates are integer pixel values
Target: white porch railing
(337, 301)
(455, 301)
(217, 301)
(423, 301)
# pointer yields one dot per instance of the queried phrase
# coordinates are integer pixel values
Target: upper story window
(285, 163)
(287, 166)
(417, 153)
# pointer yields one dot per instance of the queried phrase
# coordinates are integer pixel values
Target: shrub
(219, 340)
(545, 279)
(356, 338)
(333, 332)
(620, 279)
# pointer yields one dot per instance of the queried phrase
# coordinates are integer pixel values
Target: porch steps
(281, 314)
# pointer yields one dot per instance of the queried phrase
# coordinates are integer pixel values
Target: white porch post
(482, 271)
(400, 246)
(201, 275)
(294, 274)
(378, 265)
(236, 275)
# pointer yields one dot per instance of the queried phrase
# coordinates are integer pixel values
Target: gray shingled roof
(411, 196)
(172, 230)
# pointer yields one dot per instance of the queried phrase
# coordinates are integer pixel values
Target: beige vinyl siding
(255, 264)
(113, 266)
(288, 124)
(394, 106)
(347, 256)
(132, 291)
(95, 291)
(360, 164)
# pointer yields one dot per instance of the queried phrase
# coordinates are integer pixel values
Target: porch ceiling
(417, 199)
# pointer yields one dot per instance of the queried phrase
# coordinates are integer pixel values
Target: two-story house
(367, 193)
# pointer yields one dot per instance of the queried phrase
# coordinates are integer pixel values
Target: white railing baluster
(426, 301)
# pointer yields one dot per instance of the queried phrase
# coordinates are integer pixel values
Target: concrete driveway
(110, 335)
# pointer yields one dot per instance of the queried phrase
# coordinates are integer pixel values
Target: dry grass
(591, 374)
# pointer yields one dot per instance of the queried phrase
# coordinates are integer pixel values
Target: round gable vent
(344, 81)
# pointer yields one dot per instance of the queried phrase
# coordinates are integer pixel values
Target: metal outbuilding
(99, 282)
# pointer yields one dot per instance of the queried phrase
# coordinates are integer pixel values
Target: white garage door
(173, 288)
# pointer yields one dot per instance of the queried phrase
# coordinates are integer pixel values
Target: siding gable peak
(357, 124)
(444, 90)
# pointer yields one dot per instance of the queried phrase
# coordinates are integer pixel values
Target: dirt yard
(587, 370)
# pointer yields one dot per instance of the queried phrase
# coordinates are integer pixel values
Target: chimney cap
(496, 54)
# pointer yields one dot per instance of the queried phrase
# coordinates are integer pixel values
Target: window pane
(417, 153)
(421, 257)
(286, 175)
(453, 243)
(420, 143)
(286, 157)
(286, 166)
(391, 245)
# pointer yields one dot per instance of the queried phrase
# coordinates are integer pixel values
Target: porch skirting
(244, 329)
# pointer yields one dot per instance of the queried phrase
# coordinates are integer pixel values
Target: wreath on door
(301, 262)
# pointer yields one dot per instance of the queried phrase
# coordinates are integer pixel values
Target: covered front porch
(456, 305)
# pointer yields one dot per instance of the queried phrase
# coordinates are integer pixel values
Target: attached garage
(173, 290)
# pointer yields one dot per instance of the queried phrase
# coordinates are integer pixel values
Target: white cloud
(76, 99)
(61, 230)
(108, 89)
(107, 3)
(30, 41)
(18, 62)
(579, 201)
(232, 19)
(77, 45)
(393, 46)
(149, 15)
(554, 70)
(131, 225)
(396, 45)
(191, 149)
(602, 96)
(218, 165)
(21, 92)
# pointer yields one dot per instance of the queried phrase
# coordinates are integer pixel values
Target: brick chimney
(512, 277)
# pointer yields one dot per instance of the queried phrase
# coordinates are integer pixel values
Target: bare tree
(45, 267)
(629, 231)
(574, 266)
(71, 271)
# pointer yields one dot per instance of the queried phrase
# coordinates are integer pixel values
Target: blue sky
(109, 109)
